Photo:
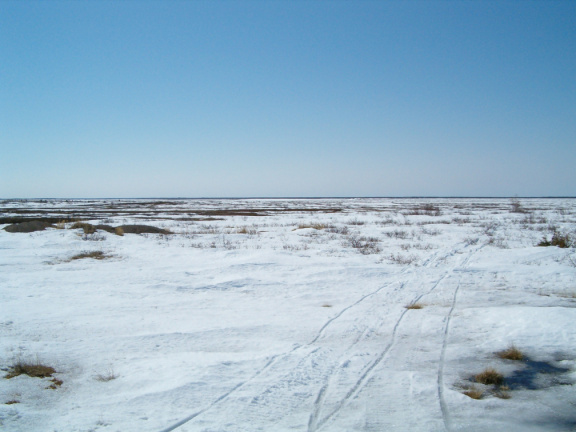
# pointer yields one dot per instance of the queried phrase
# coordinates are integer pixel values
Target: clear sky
(287, 98)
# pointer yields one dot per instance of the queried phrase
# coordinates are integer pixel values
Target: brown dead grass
(474, 393)
(502, 392)
(55, 384)
(98, 255)
(316, 226)
(511, 353)
(489, 376)
(34, 370)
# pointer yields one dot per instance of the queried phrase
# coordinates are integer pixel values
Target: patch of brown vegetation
(34, 370)
(99, 255)
(474, 393)
(511, 353)
(489, 376)
(55, 384)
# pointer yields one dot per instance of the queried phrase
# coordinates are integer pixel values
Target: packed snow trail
(273, 360)
(316, 422)
(443, 406)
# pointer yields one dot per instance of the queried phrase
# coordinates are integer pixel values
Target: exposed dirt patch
(27, 227)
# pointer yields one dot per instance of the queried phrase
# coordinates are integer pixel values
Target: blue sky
(287, 98)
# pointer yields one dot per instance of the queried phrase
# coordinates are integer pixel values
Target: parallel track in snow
(274, 359)
(442, 400)
(316, 422)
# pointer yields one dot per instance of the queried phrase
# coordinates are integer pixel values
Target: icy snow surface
(290, 315)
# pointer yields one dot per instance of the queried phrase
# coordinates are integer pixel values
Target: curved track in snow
(318, 364)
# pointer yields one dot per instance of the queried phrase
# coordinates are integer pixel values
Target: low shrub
(517, 206)
(403, 259)
(558, 239)
(364, 245)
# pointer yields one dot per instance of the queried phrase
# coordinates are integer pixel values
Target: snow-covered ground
(290, 315)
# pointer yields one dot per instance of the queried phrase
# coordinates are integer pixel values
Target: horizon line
(296, 197)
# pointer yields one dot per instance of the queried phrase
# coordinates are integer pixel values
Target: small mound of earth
(143, 229)
(106, 228)
(27, 227)
(127, 229)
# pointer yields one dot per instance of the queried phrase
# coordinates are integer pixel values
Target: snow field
(294, 319)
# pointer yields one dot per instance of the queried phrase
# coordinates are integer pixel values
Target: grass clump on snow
(502, 393)
(414, 306)
(316, 226)
(558, 239)
(511, 353)
(489, 376)
(108, 376)
(474, 393)
(98, 255)
(32, 369)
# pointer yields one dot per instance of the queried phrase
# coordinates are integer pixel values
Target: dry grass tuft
(414, 306)
(474, 393)
(99, 255)
(364, 245)
(86, 227)
(403, 259)
(60, 225)
(34, 370)
(558, 239)
(511, 353)
(247, 230)
(489, 376)
(502, 393)
(55, 384)
(108, 376)
(316, 226)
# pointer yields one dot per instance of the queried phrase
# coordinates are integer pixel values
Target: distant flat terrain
(288, 315)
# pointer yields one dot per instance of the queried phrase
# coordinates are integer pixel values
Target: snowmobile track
(315, 423)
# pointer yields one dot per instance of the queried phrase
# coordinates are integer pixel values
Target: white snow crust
(294, 319)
